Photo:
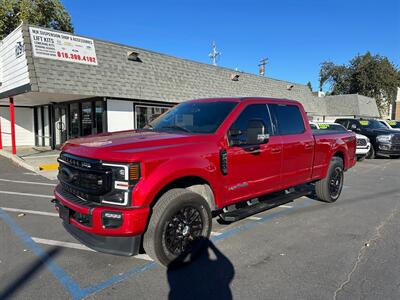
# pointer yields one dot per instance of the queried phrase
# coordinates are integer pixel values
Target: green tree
(309, 85)
(369, 75)
(45, 13)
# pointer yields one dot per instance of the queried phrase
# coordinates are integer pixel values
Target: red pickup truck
(156, 189)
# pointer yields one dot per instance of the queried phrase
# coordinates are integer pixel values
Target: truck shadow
(197, 275)
(28, 275)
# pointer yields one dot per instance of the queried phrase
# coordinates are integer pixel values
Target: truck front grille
(361, 142)
(396, 139)
(85, 178)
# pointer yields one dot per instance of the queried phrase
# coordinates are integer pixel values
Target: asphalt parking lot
(303, 250)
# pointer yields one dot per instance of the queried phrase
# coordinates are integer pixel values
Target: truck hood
(382, 131)
(128, 145)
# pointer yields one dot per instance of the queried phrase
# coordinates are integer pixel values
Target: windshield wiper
(176, 127)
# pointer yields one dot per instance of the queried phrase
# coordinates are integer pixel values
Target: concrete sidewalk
(41, 160)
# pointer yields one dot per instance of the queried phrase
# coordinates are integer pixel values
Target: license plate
(64, 213)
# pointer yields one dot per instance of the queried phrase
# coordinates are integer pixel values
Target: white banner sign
(62, 46)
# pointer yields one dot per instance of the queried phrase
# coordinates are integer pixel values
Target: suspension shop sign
(62, 46)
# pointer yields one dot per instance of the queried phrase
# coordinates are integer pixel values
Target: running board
(241, 213)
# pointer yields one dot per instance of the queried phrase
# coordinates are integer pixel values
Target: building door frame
(60, 125)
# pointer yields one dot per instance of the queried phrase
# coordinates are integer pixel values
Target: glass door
(74, 120)
(60, 125)
(87, 118)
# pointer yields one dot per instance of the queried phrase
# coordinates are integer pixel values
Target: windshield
(372, 124)
(194, 117)
(326, 126)
(394, 124)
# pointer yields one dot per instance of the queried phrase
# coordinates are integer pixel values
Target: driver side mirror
(354, 127)
(256, 133)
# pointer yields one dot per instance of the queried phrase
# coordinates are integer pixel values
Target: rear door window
(289, 119)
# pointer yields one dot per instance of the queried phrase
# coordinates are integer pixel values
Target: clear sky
(295, 35)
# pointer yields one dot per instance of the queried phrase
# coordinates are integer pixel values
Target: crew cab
(363, 143)
(156, 189)
(384, 141)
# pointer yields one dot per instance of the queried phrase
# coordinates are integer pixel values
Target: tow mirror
(256, 133)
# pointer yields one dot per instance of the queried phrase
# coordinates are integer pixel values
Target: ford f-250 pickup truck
(156, 189)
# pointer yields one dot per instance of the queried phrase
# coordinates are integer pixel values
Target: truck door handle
(276, 150)
(308, 146)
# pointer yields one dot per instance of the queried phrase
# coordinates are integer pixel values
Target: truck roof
(244, 99)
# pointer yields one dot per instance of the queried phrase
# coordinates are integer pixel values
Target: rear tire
(180, 218)
(329, 188)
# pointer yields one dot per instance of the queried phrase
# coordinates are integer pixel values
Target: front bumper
(363, 150)
(388, 149)
(126, 246)
(85, 221)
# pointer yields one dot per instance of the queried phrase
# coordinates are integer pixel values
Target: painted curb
(48, 167)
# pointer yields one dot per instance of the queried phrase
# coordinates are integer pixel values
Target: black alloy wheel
(184, 227)
(179, 227)
(336, 183)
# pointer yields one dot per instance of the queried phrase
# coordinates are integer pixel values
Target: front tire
(180, 218)
(371, 154)
(361, 158)
(329, 188)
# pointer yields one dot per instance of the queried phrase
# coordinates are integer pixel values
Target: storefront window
(145, 114)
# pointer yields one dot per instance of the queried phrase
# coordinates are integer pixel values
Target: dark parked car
(383, 140)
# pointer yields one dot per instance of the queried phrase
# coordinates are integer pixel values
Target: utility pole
(262, 64)
(214, 54)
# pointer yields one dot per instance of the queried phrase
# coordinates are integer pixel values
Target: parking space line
(26, 194)
(254, 218)
(28, 182)
(32, 212)
(144, 257)
(286, 206)
(61, 244)
(214, 233)
(78, 246)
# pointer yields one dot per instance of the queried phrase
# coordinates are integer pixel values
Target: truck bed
(326, 132)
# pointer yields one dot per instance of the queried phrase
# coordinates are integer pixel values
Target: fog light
(384, 147)
(111, 219)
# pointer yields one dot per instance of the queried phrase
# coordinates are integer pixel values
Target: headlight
(121, 172)
(384, 138)
(124, 177)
